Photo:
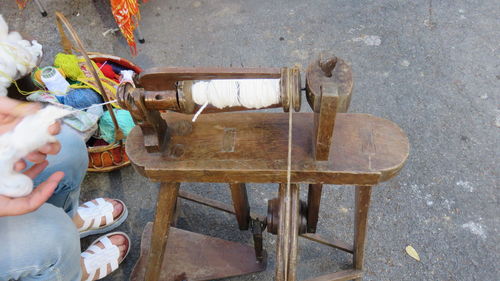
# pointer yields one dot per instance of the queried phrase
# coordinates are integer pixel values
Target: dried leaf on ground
(412, 252)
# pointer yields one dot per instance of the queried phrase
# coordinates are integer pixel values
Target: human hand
(11, 112)
(23, 205)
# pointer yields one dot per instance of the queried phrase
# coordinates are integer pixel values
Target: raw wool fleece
(29, 135)
(18, 57)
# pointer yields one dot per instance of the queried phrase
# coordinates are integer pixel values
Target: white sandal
(91, 214)
(100, 258)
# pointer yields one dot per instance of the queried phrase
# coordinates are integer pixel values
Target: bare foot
(120, 241)
(117, 211)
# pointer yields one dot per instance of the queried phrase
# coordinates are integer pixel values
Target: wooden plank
(366, 150)
(343, 275)
(164, 78)
(240, 203)
(165, 205)
(362, 204)
(338, 244)
(193, 256)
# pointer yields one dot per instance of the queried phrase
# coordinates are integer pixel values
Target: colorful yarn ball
(69, 64)
(107, 128)
(80, 98)
(107, 70)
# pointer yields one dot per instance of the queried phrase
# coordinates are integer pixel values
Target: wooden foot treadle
(193, 256)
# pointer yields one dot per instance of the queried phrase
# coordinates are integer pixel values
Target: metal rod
(215, 204)
(341, 245)
(41, 8)
(139, 33)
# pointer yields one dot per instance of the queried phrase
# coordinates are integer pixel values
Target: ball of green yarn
(107, 128)
(69, 64)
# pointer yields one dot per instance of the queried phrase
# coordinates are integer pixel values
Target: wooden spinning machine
(326, 146)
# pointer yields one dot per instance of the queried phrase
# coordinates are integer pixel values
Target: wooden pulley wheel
(290, 88)
(295, 90)
(273, 216)
(285, 94)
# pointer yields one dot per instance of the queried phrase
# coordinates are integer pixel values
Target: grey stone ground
(430, 66)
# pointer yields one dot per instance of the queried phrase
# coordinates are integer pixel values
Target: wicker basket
(112, 156)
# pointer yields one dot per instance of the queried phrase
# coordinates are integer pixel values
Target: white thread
(249, 93)
(199, 112)
(82, 109)
(98, 104)
(102, 65)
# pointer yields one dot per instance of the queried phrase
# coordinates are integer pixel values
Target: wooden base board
(193, 256)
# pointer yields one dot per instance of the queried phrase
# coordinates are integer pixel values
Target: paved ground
(430, 66)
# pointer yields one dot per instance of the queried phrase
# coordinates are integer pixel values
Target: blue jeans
(45, 244)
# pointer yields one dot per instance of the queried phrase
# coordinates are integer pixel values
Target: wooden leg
(313, 202)
(362, 204)
(294, 232)
(240, 203)
(288, 232)
(165, 207)
(257, 240)
(280, 241)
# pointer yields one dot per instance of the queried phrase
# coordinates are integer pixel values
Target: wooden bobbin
(185, 96)
(290, 88)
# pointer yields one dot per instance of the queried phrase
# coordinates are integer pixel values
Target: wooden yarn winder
(328, 146)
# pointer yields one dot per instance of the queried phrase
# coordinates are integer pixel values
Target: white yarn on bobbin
(249, 93)
(54, 81)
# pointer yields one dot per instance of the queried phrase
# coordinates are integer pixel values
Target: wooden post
(240, 203)
(313, 203)
(281, 246)
(325, 110)
(362, 204)
(288, 233)
(165, 208)
(294, 232)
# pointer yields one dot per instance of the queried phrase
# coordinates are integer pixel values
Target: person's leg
(42, 245)
(73, 161)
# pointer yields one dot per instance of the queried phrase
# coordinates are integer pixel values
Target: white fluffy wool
(29, 135)
(18, 57)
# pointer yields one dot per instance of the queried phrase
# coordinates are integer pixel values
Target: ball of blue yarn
(80, 98)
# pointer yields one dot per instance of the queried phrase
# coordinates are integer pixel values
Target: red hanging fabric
(22, 3)
(126, 14)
